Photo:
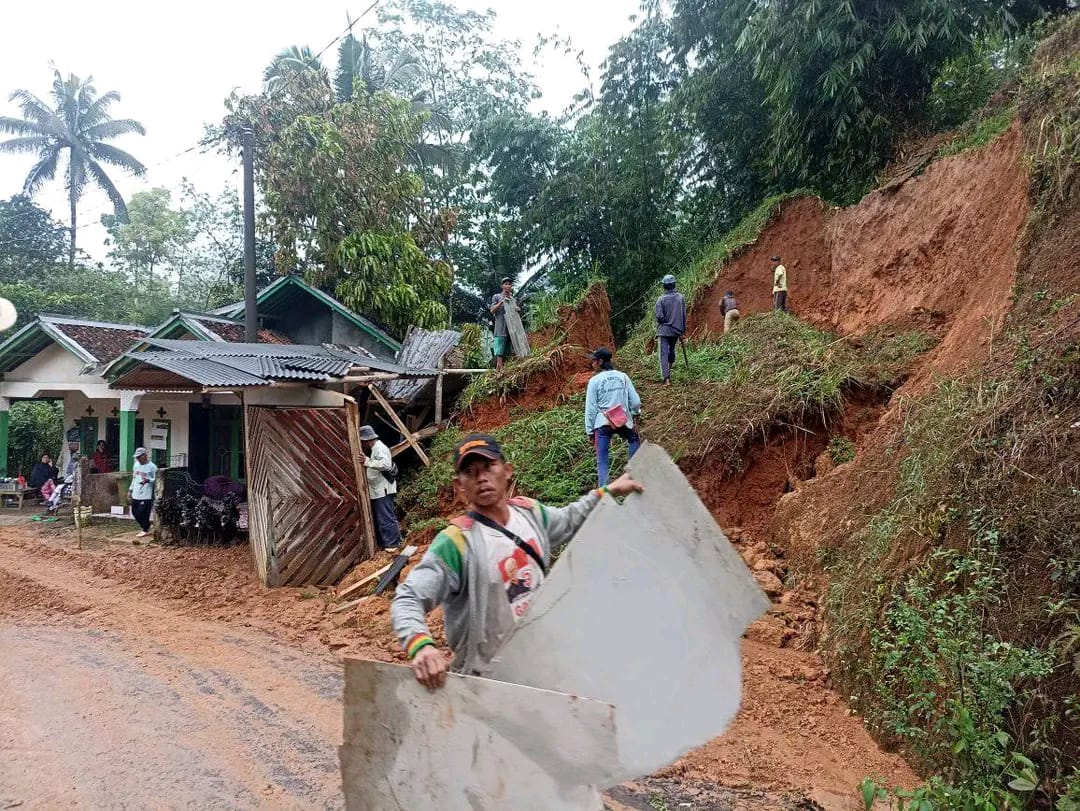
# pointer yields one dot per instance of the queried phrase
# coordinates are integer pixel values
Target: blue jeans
(603, 448)
(387, 531)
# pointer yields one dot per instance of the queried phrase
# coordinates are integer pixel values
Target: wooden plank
(359, 584)
(352, 418)
(439, 399)
(423, 433)
(400, 425)
(351, 604)
(407, 552)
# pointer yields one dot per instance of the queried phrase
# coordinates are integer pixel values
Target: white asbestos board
(519, 339)
(475, 744)
(644, 610)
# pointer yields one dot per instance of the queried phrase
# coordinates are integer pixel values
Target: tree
(296, 65)
(214, 258)
(342, 205)
(842, 81)
(78, 125)
(36, 427)
(600, 192)
(31, 241)
(151, 237)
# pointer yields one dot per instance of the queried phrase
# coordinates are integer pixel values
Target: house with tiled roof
(77, 361)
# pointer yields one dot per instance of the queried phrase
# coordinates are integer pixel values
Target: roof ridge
(51, 318)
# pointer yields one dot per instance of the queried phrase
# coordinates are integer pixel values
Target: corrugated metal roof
(424, 349)
(239, 365)
(200, 371)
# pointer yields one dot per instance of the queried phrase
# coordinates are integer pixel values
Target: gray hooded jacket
(454, 573)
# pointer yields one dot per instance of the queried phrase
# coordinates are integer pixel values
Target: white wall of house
(290, 396)
(176, 412)
(52, 364)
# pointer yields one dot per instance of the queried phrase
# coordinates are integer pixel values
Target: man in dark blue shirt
(670, 325)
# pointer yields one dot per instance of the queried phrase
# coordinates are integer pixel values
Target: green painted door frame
(88, 431)
(5, 424)
(127, 440)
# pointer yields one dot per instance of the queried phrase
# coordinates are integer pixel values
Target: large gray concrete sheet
(519, 339)
(645, 610)
(475, 744)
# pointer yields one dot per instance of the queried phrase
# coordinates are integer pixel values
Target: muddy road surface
(108, 701)
(135, 677)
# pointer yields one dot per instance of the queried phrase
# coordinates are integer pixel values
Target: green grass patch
(514, 377)
(950, 609)
(978, 132)
(841, 450)
(709, 267)
(543, 308)
(553, 460)
(772, 370)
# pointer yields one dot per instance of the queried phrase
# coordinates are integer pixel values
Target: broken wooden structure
(309, 517)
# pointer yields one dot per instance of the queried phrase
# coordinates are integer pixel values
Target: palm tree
(78, 123)
(361, 68)
(291, 65)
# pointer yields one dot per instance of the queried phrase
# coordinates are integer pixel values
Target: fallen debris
(399, 561)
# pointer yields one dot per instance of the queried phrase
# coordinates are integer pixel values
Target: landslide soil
(939, 250)
(578, 330)
(144, 673)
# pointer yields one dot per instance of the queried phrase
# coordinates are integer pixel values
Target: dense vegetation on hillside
(450, 178)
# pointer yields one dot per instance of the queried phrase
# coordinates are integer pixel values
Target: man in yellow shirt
(779, 285)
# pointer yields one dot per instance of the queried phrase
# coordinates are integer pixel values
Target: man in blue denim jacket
(609, 392)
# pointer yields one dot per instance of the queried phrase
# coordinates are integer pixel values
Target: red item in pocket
(616, 416)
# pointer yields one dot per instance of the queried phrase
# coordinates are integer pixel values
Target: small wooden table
(16, 496)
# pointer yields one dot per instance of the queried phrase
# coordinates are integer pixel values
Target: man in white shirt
(382, 486)
(143, 476)
(779, 285)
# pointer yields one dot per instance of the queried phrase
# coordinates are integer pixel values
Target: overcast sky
(175, 63)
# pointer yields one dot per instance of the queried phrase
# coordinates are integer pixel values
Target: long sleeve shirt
(381, 461)
(671, 314)
(779, 283)
(606, 390)
(460, 572)
(142, 481)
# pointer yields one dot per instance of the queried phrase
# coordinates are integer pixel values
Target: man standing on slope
(729, 309)
(382, 486)
(503, 346)
(611, 403)
(670, 325)
(779, 285)
(484, 568)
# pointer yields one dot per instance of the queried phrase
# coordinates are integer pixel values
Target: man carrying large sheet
(486, 566)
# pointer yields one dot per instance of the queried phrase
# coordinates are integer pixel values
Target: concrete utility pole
(251, 316)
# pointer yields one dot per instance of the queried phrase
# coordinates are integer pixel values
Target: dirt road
(165, 678)
(105, 696)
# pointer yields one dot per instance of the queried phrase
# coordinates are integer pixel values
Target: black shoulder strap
(526, 548)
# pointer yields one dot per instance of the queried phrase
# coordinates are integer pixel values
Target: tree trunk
(71, 251)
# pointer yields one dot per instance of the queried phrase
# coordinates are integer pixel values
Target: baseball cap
(601, 353)
(506, 280)
(774, 258)
(140, 452)
(669, 279)
(367, 432)
(478, 445)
